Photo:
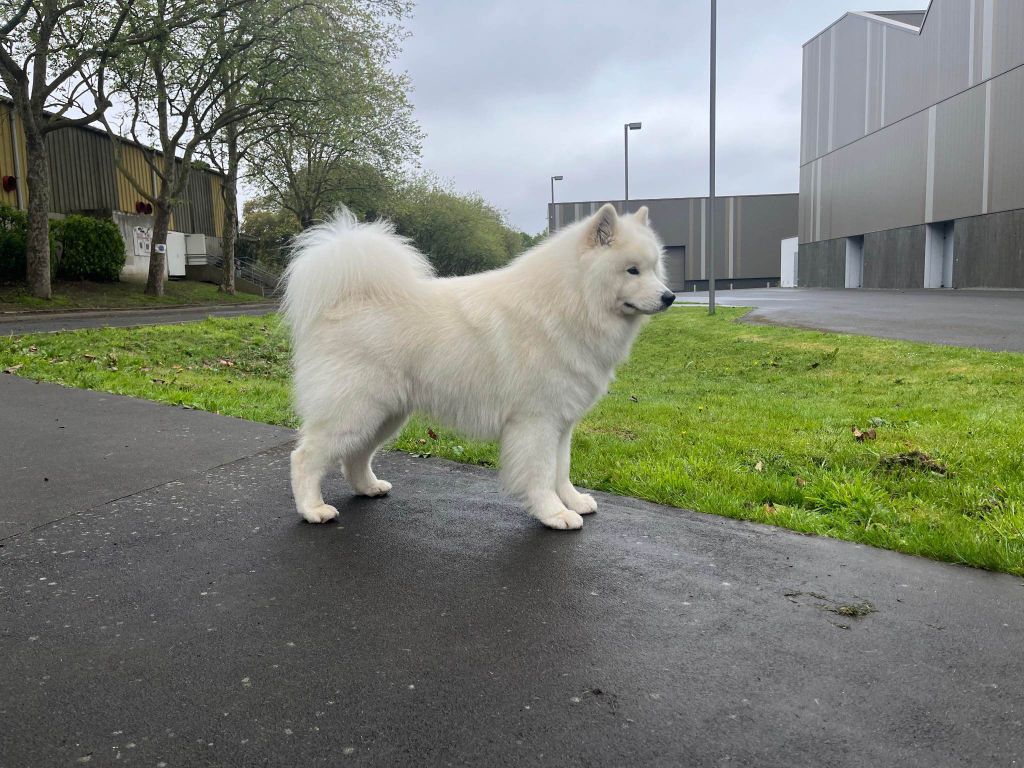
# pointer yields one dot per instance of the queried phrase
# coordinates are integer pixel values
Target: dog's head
(622, 258)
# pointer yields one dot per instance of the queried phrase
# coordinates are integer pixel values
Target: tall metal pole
(711, 196)
(625, 140)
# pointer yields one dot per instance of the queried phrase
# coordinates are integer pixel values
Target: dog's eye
(633, 271)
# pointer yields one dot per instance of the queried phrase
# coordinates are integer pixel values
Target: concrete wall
(822, 264)
(988, 251)
(894, 258)
(748, 230)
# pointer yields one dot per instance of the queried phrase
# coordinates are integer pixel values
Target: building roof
(909, 21)
(914, 18)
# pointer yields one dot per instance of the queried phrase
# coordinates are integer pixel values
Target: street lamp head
(633, 126)
(556, 178)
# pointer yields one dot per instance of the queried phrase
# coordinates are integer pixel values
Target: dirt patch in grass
(918, 461)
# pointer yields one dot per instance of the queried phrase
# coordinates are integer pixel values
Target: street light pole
(553, 180)
(711, 196)
(625, 137)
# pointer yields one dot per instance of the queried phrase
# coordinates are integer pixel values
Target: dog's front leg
(580, 503)
(529, 468)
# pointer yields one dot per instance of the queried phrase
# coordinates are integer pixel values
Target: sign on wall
(143, 240)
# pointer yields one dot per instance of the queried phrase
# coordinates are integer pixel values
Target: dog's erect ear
(641, 215)
(603, 226)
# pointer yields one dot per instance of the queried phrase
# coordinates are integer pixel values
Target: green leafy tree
(177, 90)
(348, 124)
(52, 54)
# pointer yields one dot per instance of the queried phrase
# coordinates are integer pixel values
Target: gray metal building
(748, 233)
(912, 149)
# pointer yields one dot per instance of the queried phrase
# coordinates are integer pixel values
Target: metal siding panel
(8, 166)
(806, 213)
(851, 72)
(670, 219)
(200, 202)
(877, 183)
(953, 49)
(138, 169)
(806, 105)
(1007, 35)
(81, 171)
(959, 152)
(822, 112)
(764, 222)
(1007, 142)
(217, 197)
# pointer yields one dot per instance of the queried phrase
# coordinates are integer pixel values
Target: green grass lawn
(87, 295)
(748, 421)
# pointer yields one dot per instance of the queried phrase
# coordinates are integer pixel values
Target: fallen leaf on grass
(89, 357)
(800, 482)
(432, 434)
(634, 399)
(867, 434)
(13, 368)
(33, 348)
(769, 509)
(759, 467)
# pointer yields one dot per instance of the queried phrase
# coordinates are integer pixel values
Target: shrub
(92, 249)
(460, 234)
(13, 237)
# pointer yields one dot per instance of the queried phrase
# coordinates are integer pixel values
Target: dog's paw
(320, 514)
(562, 520)
(376, 488)
(580, 503)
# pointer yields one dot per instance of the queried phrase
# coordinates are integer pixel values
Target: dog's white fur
(520, 353)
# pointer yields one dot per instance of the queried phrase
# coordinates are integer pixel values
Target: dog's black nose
(667, 298)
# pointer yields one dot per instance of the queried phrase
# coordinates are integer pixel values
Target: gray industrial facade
(748, 233)
(912, 149)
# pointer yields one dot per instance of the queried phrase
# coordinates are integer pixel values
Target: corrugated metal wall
(10, 155)
(748, 231)
(135, 167)
(900, 128)
(81, 172)
(84, 177)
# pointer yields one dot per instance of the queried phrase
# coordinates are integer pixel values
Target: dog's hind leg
(310, 460)
(580, 503)
(529, 468)
(357, 452)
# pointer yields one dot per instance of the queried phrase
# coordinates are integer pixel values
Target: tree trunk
(37, 271)
(230, 193)
(158, 261)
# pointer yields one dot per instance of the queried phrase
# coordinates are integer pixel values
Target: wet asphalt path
(178, 613)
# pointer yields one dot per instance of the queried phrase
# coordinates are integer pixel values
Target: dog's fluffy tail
(343, 260)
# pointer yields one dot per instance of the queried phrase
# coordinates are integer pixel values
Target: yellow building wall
(137, 168)
(216, 186)
(8, 164)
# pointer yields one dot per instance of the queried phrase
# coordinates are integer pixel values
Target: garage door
(675, 266)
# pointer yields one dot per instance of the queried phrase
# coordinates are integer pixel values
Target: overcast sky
(512, 92)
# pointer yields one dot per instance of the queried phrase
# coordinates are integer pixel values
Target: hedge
(91, 249)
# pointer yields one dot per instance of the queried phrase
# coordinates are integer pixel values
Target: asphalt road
(968, 318)
(182, 615)
(44, 322)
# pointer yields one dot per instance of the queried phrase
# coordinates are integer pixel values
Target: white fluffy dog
(520, 353)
